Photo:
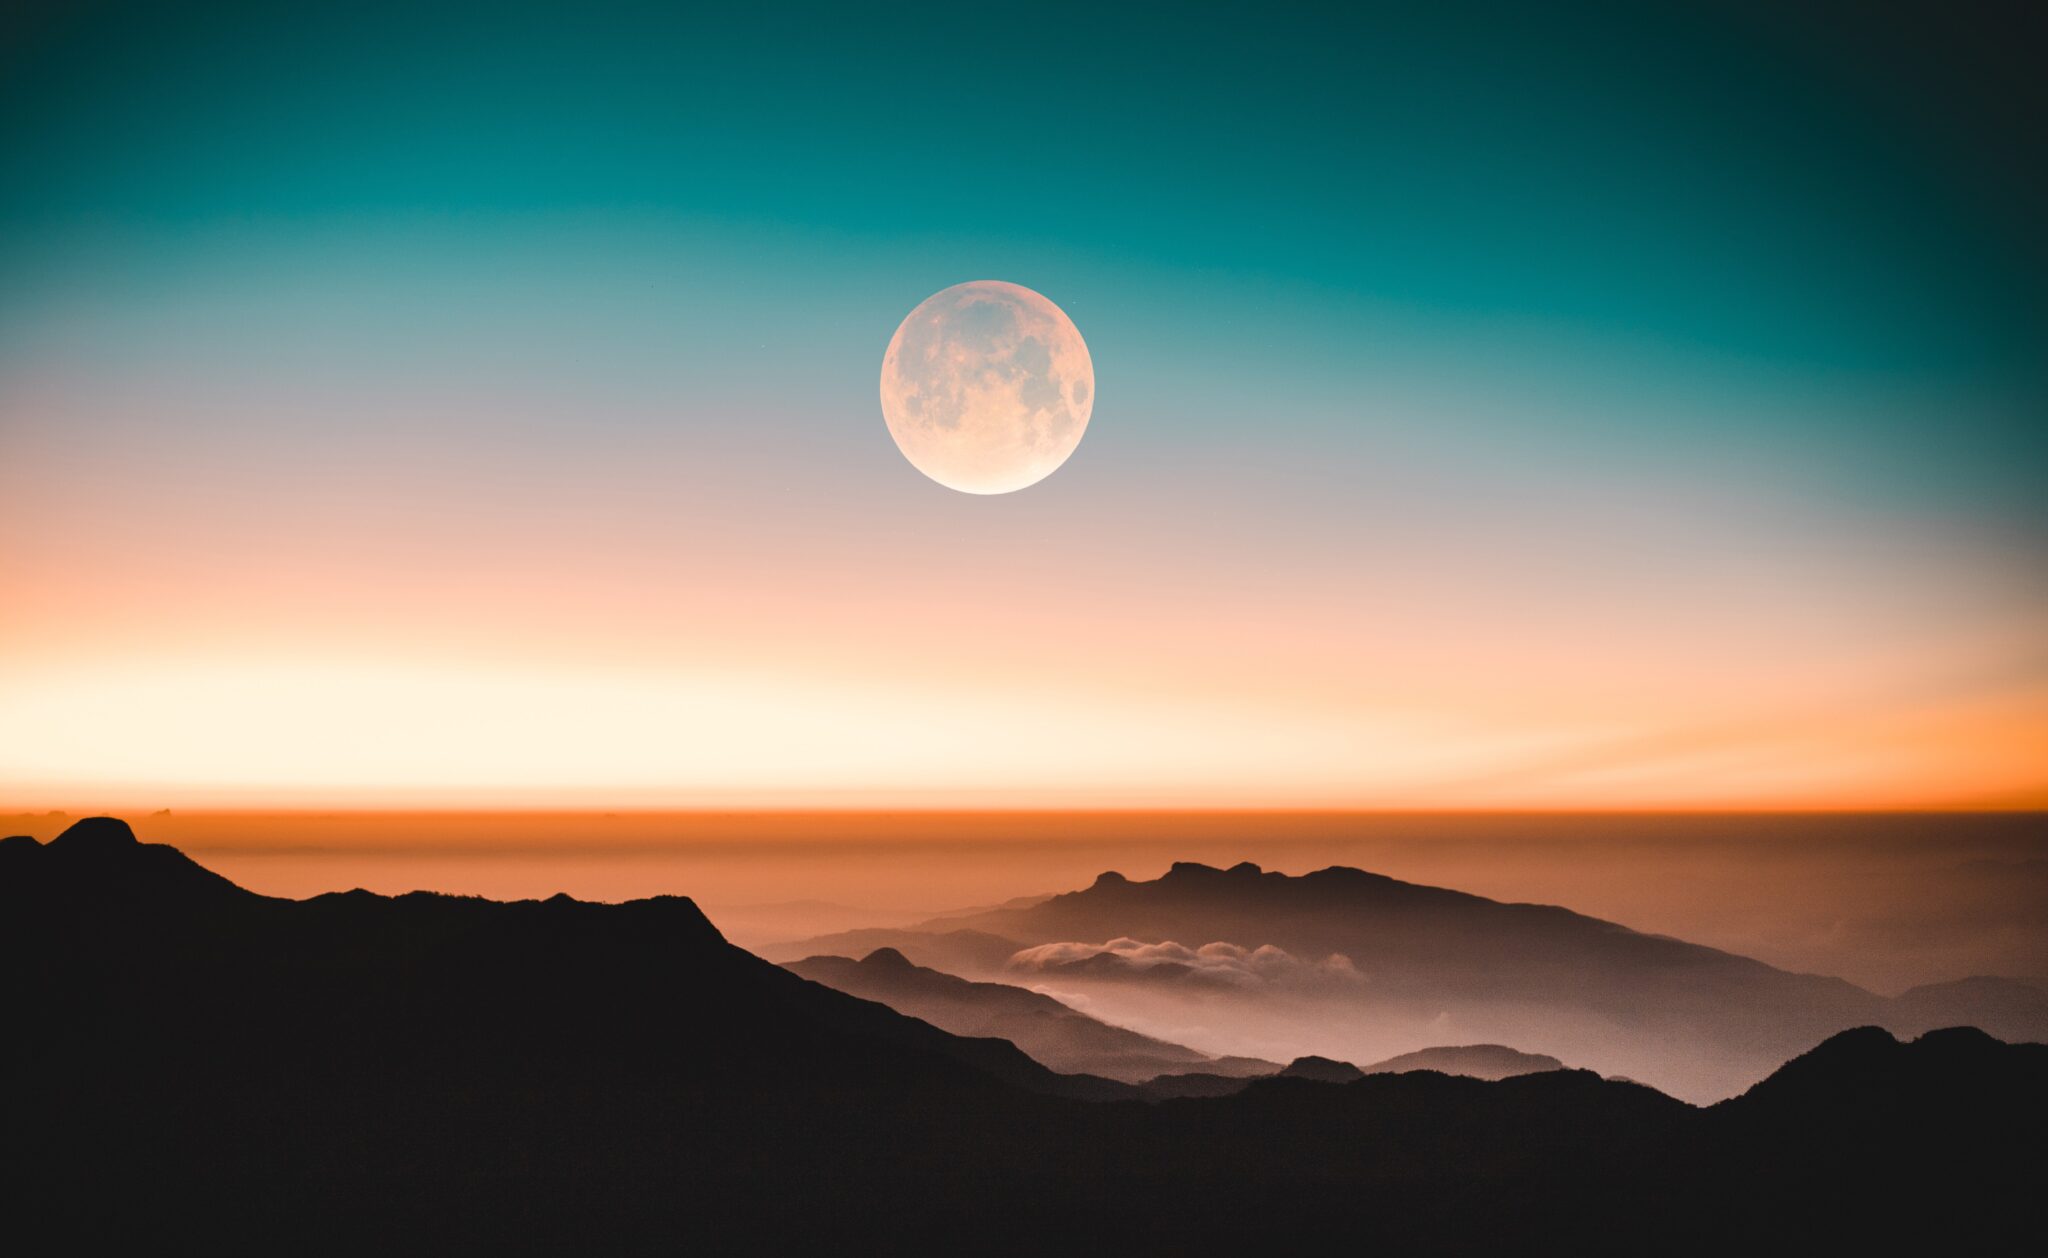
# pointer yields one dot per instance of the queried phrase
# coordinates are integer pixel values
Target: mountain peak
(1480, 1061)
(99, 861)
(1111, 878)
(1194, 871)
(1861, 1041)
(1967, 1039)
(887, 959)
(97, 834)
(1322, 1070)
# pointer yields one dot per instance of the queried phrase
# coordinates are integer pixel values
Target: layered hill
(1053, 1033)
(1359, 966)
(1473, 1061)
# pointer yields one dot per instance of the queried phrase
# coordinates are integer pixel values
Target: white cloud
(1219, 962)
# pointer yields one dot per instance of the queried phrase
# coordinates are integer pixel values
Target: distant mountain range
(1071, 1042)
(1358, 966)
(193, 1068)
(1053, 1033)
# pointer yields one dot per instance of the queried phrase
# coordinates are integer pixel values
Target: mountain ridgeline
(1070, 1041)
(192, 1067)
(1361, 967)
(1055, 1034)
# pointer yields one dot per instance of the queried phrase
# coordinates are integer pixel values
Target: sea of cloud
(1220, 962)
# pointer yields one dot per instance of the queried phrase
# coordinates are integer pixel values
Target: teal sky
(1734, 311)
(1842, 198)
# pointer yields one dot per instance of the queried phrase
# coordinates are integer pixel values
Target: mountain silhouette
(1322, 1070)
(1477, 1061)
(933, 946)
(1061, 1037)
(192, 1067)
(1363, 966)
(98, 863)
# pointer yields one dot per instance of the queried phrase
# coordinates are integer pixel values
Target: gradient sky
(1508, 405)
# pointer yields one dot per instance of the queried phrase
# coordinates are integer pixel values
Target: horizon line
(1151, 810)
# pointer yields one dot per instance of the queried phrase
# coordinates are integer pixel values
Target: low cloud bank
(1221, 963)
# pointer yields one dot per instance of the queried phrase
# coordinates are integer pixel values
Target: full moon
(987, 387)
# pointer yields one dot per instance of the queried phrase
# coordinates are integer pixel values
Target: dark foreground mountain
(1061, 1037)
(1358, 966)
(191, 1068)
